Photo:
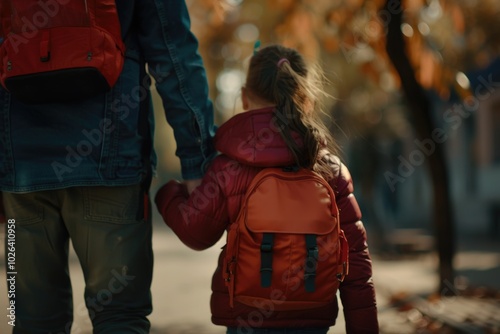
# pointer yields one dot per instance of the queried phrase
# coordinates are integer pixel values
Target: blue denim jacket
(99, 141)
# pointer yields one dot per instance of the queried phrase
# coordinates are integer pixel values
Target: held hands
(192, 184)
(172, 191)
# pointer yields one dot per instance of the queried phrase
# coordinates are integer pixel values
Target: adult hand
(192, 184)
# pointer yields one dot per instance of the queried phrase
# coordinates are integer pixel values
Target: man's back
(78, 170)
(99, 141)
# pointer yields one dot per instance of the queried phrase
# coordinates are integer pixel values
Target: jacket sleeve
(171, 52)
(198, 220)
(356, 291)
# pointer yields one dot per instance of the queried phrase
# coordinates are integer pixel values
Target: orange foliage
(446, 36)
(426, 70)
(283, 5)
(458, 18)
(331, 44)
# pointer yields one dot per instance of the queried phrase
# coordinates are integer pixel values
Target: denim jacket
(99, 141)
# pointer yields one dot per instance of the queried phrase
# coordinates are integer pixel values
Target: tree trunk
(420, 108)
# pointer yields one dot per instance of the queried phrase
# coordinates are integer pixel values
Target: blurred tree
(413, 46)
(420, 106)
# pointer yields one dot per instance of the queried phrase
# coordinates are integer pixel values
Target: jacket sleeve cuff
(192, 168)
(167, 194)
(195, 168)
(362, 321)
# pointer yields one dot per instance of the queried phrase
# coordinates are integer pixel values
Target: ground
(405, 286)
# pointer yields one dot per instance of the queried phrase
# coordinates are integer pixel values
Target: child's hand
(192, 184)
(168, 193)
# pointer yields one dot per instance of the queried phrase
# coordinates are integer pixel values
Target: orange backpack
(59, 50)
(286, 246)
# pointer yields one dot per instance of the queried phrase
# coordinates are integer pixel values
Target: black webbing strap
(266, 260)
(311, 262)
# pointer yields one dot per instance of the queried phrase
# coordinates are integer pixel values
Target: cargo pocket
(23, 208)
(116, 205)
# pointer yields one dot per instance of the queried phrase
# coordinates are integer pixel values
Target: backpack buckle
(266, 248)
(341, 276)
(311, 262)
(266, 260)
(313, 253)
(45, 47)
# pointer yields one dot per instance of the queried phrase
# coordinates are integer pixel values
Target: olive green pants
(112, 239)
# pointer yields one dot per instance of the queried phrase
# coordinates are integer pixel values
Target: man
(80, 171)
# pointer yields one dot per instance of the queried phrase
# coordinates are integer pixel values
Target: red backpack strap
(344, 257)
(4, 18)
(229, 265)
(108, 17)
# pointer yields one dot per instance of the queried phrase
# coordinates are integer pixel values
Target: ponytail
(279, 75)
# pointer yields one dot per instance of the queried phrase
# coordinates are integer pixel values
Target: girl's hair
(279, 75)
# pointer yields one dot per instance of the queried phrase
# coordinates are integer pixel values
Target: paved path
(181, 288)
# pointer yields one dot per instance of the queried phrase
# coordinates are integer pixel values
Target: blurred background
(452, 49)
(414, 104)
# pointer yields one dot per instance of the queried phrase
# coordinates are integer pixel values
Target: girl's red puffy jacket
(248, 142)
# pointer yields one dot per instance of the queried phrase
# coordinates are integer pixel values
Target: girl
(280, 127)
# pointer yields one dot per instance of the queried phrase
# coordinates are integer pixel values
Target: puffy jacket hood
(252, 138)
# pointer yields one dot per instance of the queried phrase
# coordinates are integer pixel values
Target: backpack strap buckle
(266, 260)
(45, 47)
(311, 262)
